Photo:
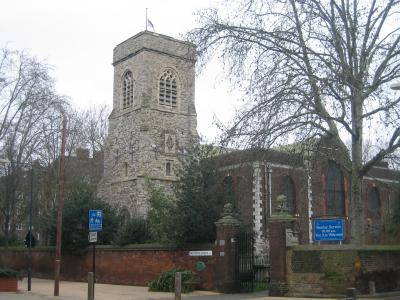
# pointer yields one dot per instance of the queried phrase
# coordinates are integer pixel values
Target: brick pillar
(277, 231)
(225, 251)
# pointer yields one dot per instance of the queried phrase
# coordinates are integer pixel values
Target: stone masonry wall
(316, 270)
(146, 137)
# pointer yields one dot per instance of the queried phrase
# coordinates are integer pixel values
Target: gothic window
(127, 90)
(290, 192)
(334, 191)
(374, 202)
(168, 90)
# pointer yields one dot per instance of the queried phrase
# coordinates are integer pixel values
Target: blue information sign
(329, 230)
(95, 220)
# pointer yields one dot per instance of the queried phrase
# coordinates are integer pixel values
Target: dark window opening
(334, 191)
(289, 191)
(168, 169)
(374, 202)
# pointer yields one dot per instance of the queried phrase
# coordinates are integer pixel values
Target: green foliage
(260, 286)
(13, 241)
(160, 217)
(338, 266)
(9, 273)
(166, 281)
(134, 231)
(199, 198)
(75, 221)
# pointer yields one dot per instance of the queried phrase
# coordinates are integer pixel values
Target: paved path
(42, 289)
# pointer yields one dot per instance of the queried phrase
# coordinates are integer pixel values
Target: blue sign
(95, 220)
(329, 230)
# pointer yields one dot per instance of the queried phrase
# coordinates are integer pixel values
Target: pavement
(43, 289)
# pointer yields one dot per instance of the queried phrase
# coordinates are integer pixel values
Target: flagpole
(146, 19)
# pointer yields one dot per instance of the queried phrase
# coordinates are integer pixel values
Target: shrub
(78, 202)
(9, 273)
(166, 281)
(135, 231)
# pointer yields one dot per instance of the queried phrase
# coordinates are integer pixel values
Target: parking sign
(95, 220)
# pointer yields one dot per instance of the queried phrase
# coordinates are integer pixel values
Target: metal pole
(146, 19)
(94, 266)
(269, 171)
(30, 232)
(57, 263)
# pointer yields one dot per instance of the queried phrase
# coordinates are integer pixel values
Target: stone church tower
(152, 126)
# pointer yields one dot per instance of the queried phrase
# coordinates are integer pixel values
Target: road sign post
(95, 220)
(95, 225)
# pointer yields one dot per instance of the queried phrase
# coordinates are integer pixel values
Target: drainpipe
(269, 172)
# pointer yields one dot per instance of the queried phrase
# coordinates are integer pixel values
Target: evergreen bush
(135, 231)
(166, 281)
(9, 273)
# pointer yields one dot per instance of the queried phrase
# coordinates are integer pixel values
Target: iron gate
(244, 262)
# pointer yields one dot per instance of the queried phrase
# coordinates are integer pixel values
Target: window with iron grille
(168, 89)
(334, 191)
(127, 90)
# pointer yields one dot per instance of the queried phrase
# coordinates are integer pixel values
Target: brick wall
(330, 269)
(116, 266)
(8, 284)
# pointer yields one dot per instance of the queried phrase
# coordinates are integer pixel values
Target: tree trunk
(356, 205)
(356, 209)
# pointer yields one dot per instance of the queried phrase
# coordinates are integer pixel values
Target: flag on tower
(150, 24)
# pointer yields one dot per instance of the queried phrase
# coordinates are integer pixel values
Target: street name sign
(95, 220)
(201, 253)
(329, 230)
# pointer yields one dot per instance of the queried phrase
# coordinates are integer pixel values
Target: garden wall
(116, 266)
(330, 269)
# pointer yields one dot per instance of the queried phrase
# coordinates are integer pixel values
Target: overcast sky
(77, 38)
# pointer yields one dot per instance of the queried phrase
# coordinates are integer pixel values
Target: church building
(153, 122)
(280, 194)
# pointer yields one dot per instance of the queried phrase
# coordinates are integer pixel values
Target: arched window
(374, 202)
(168, 89)
(127, 90)
(290, 192)
(334, 191)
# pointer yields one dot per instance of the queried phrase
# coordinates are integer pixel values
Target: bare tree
(95, 127)
(27, 98)
(311, 68)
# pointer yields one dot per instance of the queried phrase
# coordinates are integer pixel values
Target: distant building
(153, 121)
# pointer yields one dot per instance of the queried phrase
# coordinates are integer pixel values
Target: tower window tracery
(127, 90)
(168, 89)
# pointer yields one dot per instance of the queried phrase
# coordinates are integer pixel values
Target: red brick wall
(116, 266)
(8, 284)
